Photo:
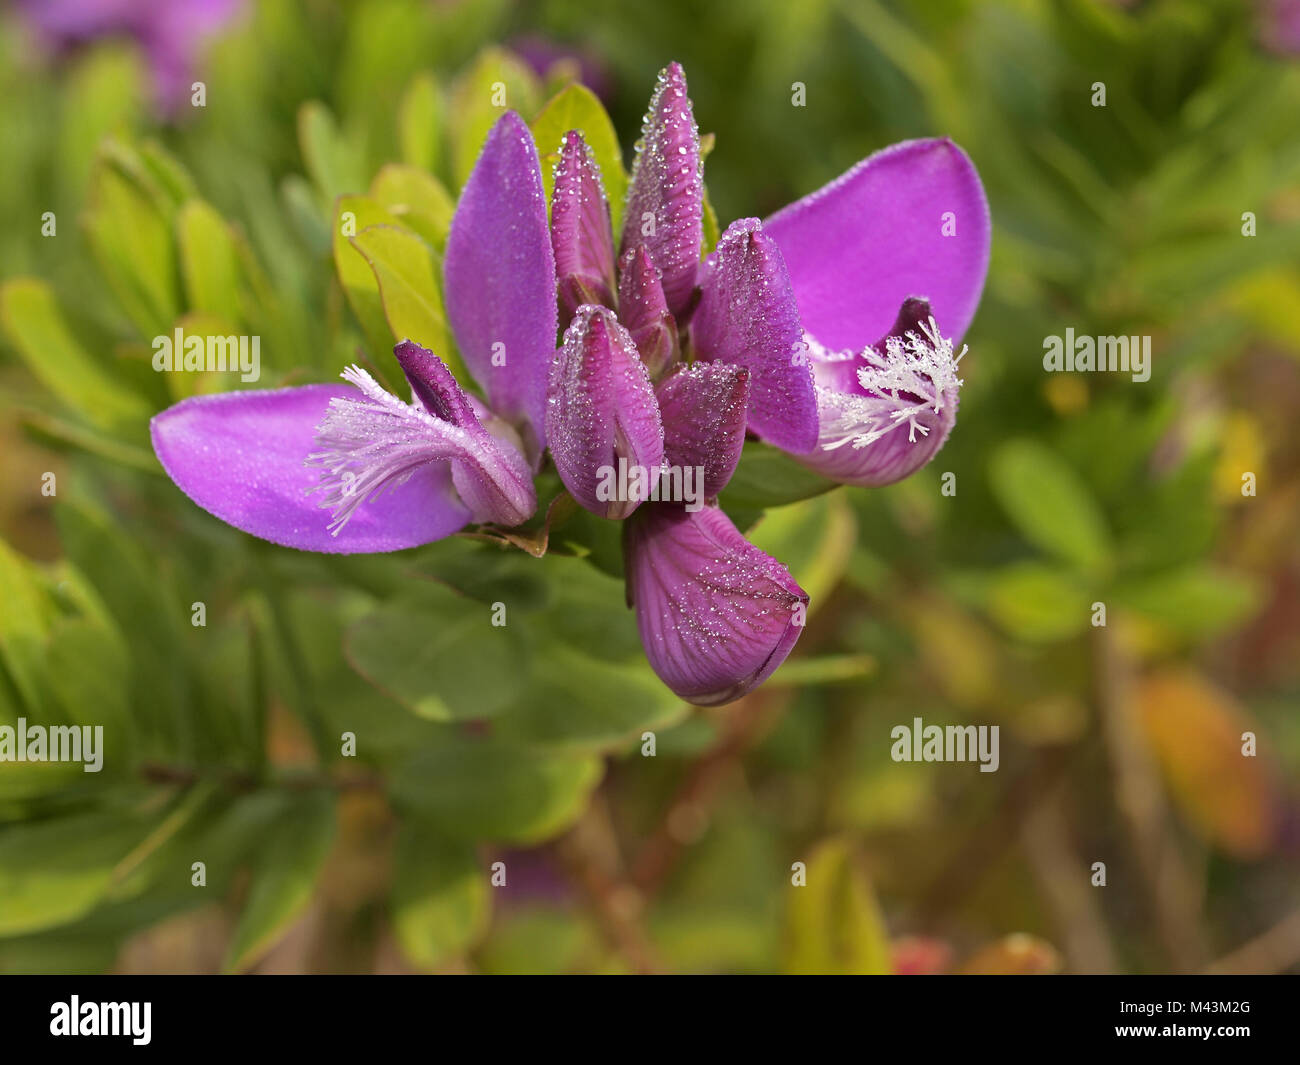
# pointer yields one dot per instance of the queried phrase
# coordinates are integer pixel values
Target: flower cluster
(645, 355)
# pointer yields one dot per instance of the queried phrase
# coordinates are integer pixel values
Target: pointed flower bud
(665, 201)
(602, 420)
(644, 311)
(580, 229)
(716, 614)
(703, 411)
(747, 316)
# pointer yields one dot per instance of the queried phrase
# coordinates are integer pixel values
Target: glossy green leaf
(1050, 504)
(440, 897)
(476, 787)
(54, 871)
(352, 214)
(417, 199)
(441, 656)
(406, 271)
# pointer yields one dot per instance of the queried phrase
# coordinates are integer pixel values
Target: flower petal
(491, 474)
(747, 316)
(644, 312)
(240, 456)
(601, 414)
(716, 614)
(874, 235)
(500, 277)
(580, 230)
(703, 410)
(887, 410)
(665, 201)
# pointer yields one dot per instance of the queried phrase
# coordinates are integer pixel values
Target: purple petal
(601, 417)
(644, 312)
(886, 411)
(703, 411)
(500, 277)
(874, 235)
(580, 229)
(490, 472)
(240, 456)
(665, 201)
(747, 316)
(716, 614)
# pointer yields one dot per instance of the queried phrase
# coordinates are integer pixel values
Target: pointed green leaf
(1050, 504)
(576, 107)
(34, 325)
(407, 274)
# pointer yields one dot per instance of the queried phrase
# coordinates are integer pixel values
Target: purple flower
(394, 474)
(791, 332)
(172, 33)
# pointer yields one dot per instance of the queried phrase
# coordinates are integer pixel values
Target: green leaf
(209, 261)
(405, 270)
(417, 199)
(576, 697)
(28, 614)
(576, 107)
(105, 93)
(352, 214)
(440, 899)
(1038, 602)
(440, 655)
(421, 118)
(284, 875)
(37, 330)
(768, 477)
(1196, 601)
(131, 239)
(482, 788)
(1049, 504)
(333, 160)
(496, 82)
(832, 924)
(52, 872)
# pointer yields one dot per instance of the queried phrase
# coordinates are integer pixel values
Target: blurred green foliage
(524, 744)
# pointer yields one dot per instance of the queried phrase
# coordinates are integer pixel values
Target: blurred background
(1172, 211)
